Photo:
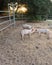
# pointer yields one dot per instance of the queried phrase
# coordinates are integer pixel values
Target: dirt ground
(34, 51)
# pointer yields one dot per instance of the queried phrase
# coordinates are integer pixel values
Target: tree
(38, 9)
(50, 12)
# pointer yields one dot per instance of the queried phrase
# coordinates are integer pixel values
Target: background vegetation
(37, 9)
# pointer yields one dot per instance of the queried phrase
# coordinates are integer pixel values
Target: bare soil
(34, 51)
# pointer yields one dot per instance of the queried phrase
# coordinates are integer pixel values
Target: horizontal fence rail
(9, 20)
(6, 26)
(4, 11)
(5, 16)
(5, 22)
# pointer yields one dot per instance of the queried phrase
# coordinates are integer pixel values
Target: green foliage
(37, 9)
(50, 11)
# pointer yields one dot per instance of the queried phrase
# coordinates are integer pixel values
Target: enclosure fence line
(11, 19)
(9, 16)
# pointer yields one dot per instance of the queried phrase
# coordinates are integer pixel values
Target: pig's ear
(32, 29)
(35, 29)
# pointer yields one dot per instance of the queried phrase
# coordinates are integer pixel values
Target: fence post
(9, 12)
(14, 15)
